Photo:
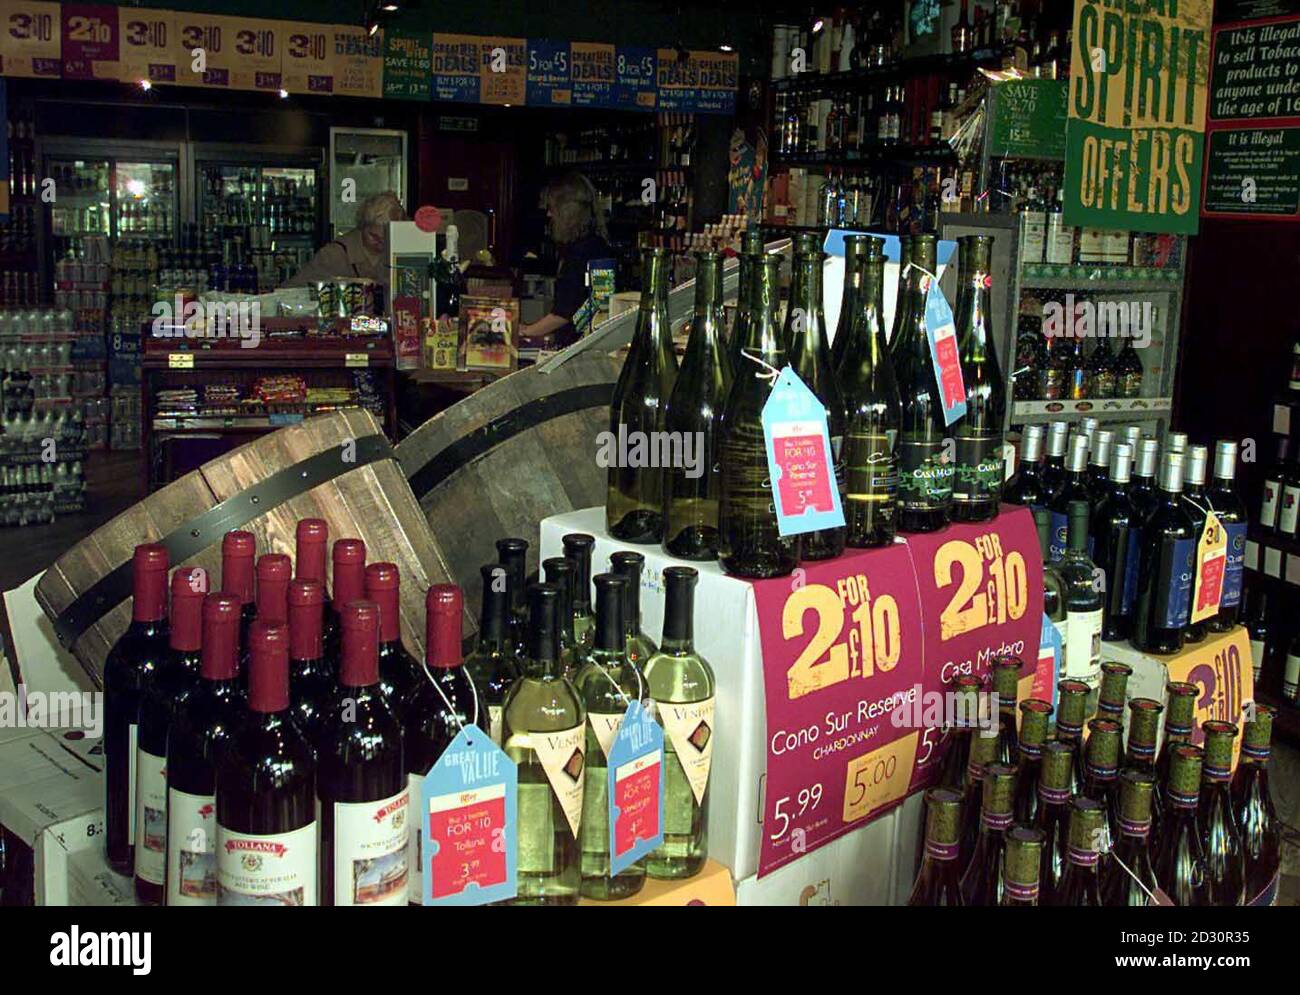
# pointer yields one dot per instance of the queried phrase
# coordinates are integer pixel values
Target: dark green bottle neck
(708, 286)
(854, 263)
(974, 305)
(804, 317)
(764, 338)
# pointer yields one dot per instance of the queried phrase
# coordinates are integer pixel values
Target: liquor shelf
(1104, 409)
(923, 65)
(1086, 278)
(932, 153)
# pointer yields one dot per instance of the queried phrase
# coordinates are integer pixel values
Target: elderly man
(359, 253)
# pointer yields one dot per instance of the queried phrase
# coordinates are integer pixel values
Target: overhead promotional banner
(1028, 120)
(150, 48)
(703, 82)
(592, 69)
(208, 43)
(31, 33)
(259, 50)
(358, 62)
(1135, 135)
(408, 64)
(635, 78)
(91, 48)
(550, 83)
(503, 66)
(455, 67)
(308, 62)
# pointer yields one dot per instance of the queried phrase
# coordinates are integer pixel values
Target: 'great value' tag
(635, 789)
(1211, 561)
(942, 333)
(799, 459)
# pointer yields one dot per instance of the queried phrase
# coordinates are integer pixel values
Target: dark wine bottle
(1143, 731)
(360, 781)
(1071, 713)
(1073, 487)
(1053, 816)
(1225, 857)
(1116, 535)
(956, 745)
(1035, 715)
(199, 731)
(1276, 478)
(901, 299)
(349, 559)
(1054, 461)
(1127, 877)
(691, 486)
(1053, 582)
(165, 691)
(640, 647)
(578, 547)
(127, 670)
(1006, 684)
(238, 552)
(512, 554)
(1180, 859)
(1179, 715)
(559, 572)
(983, 881)
(266, 805)
(1026, 487)
(1197, 505)
(274, 571)
(1114, 690)
(1256, 623)
(983, 754)
(1083, 604)
(634, 503)
(1142, 491)
(1231, 512)
(1164, 594)
(1252, 804)
(1023, 865)
(938, 882)
(1128, 371)
(443, 702)
(311, 540)
(1099, 457)
(398, 670)
(1101, 763)
(311, 679)
(751, 256)
(856, 248)
(977, 481)
(1079, 884)
(492, 664)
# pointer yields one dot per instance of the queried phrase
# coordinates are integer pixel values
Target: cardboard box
(712, 886)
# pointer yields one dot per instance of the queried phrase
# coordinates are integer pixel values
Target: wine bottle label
(925, 478)
(1290, 509)
(1174, 583)
(150, 817)
(1032, 236)
(1256, 657)
(1104, 383)
(562, 758)
(1058, 537)
(1235, 565)
(1291, 678)
(191, 849)
(275, 869)
(978, 472)
(495, 712)
(1268, 506)
(690, 730)
(1083, 646)
(415, 839)
(605, 725)
(1060, 241)
(1130, 384)
(371, 851)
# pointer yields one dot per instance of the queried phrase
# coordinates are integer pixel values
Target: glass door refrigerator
(374, 160)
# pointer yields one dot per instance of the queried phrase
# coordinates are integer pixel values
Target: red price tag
(463, 827)
(805, 476)
(950, 380)
(636, 796)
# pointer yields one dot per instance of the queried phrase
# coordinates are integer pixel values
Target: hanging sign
(549, 80)
(703, 82)
(634, 788)
(91, 47)
(408, 64)
(31, 34)
(208, 42)
(1028, 119)
(503, 77)
(635, 78)
(149, 46)
(455, 67)
(799, 458)
(942, 335)
(308, 63)
(259, 51)
(358, 62)
(591, 65)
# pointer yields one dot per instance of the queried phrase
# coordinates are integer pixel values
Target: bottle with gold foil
(1006, 683)
(1180, 859)
(983, 881)
(1143, 732)
(855, 251)
(1071, 713)
(983, 753)
(1127, 877)
(938, 882)
(1114, 690)
(1023, 865)
(634, 495)
(956, 747)
(1079, 884)
(1053, 816)
(1180, 713)
(1225, 858)
(1252, 803)
(1035, 714)
(1101, 762)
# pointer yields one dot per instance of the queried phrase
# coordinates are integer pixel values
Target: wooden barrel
(338, 467)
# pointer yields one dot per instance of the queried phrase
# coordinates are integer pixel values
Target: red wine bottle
(1114, 690)
(1023, 865)
(266, 808)
(983, 750)
(311, 679)
(311, 541)
(1179, 715)
(957, 740)
(1225, 857)
(398, 670)
(238, 550)
(1053, 816)
(1101, 764)
(199, 732)
(1180, 861)
(513, 555)
(1072, 712)
(443, 703)
(1079, 884)
(1261, 833)
(1006, 683)
(1035, 714)
(492, 664)
(983, 882)
(1127, 877)
(274, 570)
(349, 584)
(1143, 729)
(127, 668)
(938, 882)
(360, 784)
(165, 691)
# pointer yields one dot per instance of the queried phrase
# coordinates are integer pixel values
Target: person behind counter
(579, 231)
(360, 253)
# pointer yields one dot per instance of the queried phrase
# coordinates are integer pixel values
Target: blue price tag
(800, 460)
(1049, 651)
(469, 846)
(942, 333)
(635, 789)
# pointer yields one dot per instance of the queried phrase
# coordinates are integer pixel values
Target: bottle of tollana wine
(166, 691)
(691, 488)
(311, 679)
(492, 665)
(1252, 804)
(977, 482)
(311, 543)
(634, 497)
(349, 559)
(1022, 867)
(274, 571)
(398, 670)
(1225, 858)
(1180, 860)
(127, 669)
(938, 882)
(749, 544)
(238, 552)
(265, 797)
(200, 731)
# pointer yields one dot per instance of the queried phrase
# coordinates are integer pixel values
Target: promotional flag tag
(942, 333)
(1049, 662)
(1211, 561)
(800, 459)
(635, 789)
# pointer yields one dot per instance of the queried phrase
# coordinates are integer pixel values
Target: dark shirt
(571, 290)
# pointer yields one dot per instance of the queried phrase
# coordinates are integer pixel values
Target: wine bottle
(1006, 684)
(1176, 442)
(681, 688)
(607, 684)
(983, 881)
(1101, 370)
(513, 555)
(265, 797)
(1252, 804)
(1180, 712)
(983, 754)
(1291, 673)
(1225, 858)
(311, 678)
(1142, 491)
(1128, 371)
(938, 882)
(1053, 473)
(127, 670)
(1035, 715)
(1116, 541)
(349, 580)
(443, 702)
(873, 409)
(1197, 505)
(1256, 623)
(855, 254)
(925, 473)
(1026, 487)
(634, 499)
(1164, 594)
(749, 544)
(559, 572)
(1101, 763)
(238, 551)
(640, 647)
(274, 571)
(1072, 712)
(544, 728)
(199, 731)
(492, 664)
(1023, 865)
(166, 690)
(1114, 690)
(1053, 582)
(751, 257)
(361, 785)
(1098, 476)
(1053, 816)
(1143, 730)
(1276, 478)
(578, 547)
(691, 488)
(1127, 877)
(398, 670)
(1083, 604)
(977, 482)
(311, 541)
(956, 745)
(1180, 859)
(1079, 883)
(901, 297)
(1073, 487)
(1231, 512)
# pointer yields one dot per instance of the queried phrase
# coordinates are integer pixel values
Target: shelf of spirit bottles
(924, 65)
(1104, 409)
(874, 153)
(1085, 278)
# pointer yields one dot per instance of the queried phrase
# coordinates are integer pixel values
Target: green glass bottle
(900, 295)
(1180, 860)
(634, 496)
(1114, 690)
(682, 691)
(544, 733)
(1079, 884)
(938, 882)
(984, 879)
(639, 646)
(1035, 715)
(1252, 803)
(977, 481)
(1071, 714)
(1127, 877)
(1143, 733)
(749, 544)
(512, 554)
(1101, 760)
(1225, 857)
(751, 256)
(1053, 816)
(607, 684)
(559, 572)
(1180, 714)
(1023, 865)
(1006, 683)
(578, 547)
(492, 665)
(691, 484)
(873, 410)
(1083, 605)
(855, 248)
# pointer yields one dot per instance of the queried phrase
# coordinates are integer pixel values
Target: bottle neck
(493, 629)
(707, 272)
(149, 603)
(974, 304)
(679, 619)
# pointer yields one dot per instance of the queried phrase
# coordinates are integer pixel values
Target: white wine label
(1256, 656)
(1273, 562)
(1252, 555)
(561, 756)
(150, 817)
(605, 726)
(690, 728)
(191, 849)
(1268, 505)
(1282, 414)
(133, 737)
(277, 869)
(1083, 647)
(370, 851)
(1289, 513)
(1291, 678)
(415, 841)
(495, 712)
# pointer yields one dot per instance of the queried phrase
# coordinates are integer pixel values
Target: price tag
(180, 360)
(30, 38)
(467, 818)
(879, 778)
(149, 49)
(1273, 561)
(90, 41)
(1252, 555)
(942, 333)
(1221, 667)
(1049, 662)
(352, 359)
(799, 458)
(1211, 564)
(1282, 419)
(635, 789)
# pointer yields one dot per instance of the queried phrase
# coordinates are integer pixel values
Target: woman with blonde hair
(579, 231)
(360, 253)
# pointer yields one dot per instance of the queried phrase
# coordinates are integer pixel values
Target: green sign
(1254, 72)
(408, 64)
(1028, 119)
(1254, 171)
